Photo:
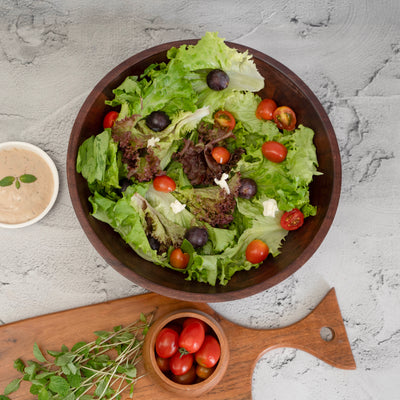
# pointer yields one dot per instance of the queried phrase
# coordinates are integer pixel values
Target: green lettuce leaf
(134, 218)
(128, 94)
(175, 171)
(302, 157)
(214, 100)
(243, 107)
(167, 232)
(272, 232)
(167, 90)
(126, 221)
(211, 52)
(99, 163)
(161, 202)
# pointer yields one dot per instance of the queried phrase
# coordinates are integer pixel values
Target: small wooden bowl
(159, 378)
(284, 87)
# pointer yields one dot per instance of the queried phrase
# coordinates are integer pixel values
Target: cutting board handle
(306, 335)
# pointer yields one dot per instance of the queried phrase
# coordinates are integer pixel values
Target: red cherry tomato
(265, 109)
(191, 337)
(188, 321)
(109, 119)
(187, 378)
(225, 119)
(179, 363)
(163, 363)
(274, 151)
(179, 259)
(256, 251)
(209, 353)
(167, 342)
(220, 154)
(164, 183)
(292, 220)
(285, 118)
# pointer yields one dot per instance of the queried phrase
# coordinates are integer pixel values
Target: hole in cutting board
(327, 333)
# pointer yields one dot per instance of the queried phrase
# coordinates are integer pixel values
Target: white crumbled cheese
(222, 182)
(152, 141)
(270, 208)
(177, 206)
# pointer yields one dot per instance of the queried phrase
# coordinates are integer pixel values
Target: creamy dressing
(31, 199)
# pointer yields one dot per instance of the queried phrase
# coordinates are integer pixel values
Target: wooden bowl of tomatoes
(287, 90)
(186, 352)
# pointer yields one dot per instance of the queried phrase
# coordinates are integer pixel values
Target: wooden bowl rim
(130, 274)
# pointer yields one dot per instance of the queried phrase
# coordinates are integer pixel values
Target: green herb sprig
(87, 371)
(9, 180)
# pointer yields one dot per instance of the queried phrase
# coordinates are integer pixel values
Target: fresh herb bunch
(87, 371)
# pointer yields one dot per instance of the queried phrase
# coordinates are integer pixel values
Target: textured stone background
(53, 53)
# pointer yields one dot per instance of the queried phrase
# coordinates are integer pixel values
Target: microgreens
(87, 371)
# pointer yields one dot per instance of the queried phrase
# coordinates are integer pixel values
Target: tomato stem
(183, 352)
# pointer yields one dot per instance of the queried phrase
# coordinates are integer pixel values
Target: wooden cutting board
(246, 345)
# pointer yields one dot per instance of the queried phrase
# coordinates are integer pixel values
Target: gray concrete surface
(53, 53)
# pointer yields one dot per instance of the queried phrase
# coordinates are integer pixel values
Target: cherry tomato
(274, 151)
(164, 183)
(220, 154)
(225, 119)
(285, 118)
(109, 119)
(179, 363)
(256, 251)
(179, 259)
(209, 353)
(188, 321)
(187, 378)
(292, 220)
(167, 342)
(191, 337)
(265, 109)
(203, 372)
(163, 363)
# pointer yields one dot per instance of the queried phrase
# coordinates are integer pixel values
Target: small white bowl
(53, 169)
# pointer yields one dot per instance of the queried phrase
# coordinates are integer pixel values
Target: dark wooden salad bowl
(286, 89)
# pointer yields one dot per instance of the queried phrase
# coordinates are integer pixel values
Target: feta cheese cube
(177, 206)
(152, 141)
(222, 182)
(270, 208)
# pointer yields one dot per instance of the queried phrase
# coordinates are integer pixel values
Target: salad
(194, 170)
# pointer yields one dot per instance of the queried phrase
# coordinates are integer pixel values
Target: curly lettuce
(161, 87)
